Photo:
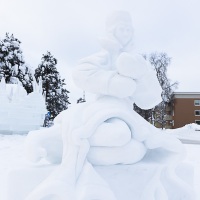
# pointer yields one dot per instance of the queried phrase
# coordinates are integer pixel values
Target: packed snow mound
(192, 126)
(190, 133)
(44, 144)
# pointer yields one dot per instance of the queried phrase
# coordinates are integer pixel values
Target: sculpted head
(119, 24)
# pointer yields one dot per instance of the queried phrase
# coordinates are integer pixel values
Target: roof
(186, 95)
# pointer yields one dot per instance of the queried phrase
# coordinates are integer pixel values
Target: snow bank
(189, 133)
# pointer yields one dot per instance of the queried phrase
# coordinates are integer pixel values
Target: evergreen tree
(12, 65)
(52, 84)
(26, 77)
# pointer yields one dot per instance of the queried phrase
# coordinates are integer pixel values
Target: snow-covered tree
(27, 78)
(53, 85)
(12, 64)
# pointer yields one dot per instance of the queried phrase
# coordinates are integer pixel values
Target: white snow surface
(12, 157)
(188, 133)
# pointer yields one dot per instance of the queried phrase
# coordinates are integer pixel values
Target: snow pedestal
(126, 181)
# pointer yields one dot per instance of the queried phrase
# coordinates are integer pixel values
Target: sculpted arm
(148, 90)
(92, 77)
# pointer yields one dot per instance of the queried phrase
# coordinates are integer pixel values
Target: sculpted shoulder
(100, 59)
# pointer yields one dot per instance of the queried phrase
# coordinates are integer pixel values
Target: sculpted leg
(130, 153)
(111, 133)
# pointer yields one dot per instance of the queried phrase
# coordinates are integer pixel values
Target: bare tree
(160, 62)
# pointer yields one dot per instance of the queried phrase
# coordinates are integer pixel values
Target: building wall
(184, 111)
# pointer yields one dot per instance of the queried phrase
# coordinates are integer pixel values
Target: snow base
(21, 181)
(126, 181)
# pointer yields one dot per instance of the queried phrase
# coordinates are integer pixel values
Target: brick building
(186, 109)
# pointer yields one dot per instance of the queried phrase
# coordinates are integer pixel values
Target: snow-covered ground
(190, 133)
(12, 153)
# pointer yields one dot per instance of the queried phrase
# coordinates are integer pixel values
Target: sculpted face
(123, 33)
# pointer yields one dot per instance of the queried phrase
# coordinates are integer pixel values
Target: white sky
(69, 30)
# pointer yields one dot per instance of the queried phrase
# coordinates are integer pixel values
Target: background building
(186, 109)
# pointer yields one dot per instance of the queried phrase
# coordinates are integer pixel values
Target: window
(172, 122)
(197, 112)
(197, 102)
(197, 122)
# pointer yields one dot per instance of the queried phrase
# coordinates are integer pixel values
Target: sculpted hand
(133, 66)
(121, 86)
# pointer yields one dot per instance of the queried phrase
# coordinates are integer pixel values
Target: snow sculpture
(19, 112)
(106, 131)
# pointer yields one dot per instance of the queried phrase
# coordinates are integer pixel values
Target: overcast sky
(70, 29)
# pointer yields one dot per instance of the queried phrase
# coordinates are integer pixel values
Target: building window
(197, 112)
(197, 122)
(197, 102)
(172, 122)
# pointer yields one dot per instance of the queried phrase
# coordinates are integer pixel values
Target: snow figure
(106, 131)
